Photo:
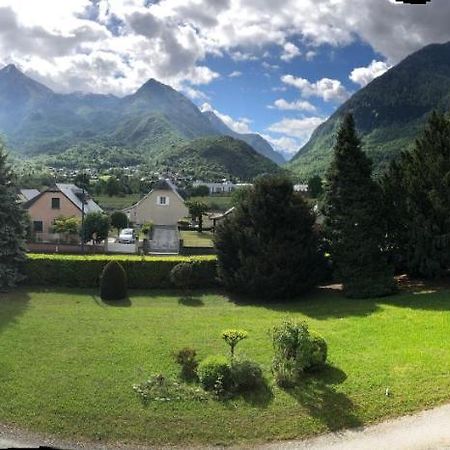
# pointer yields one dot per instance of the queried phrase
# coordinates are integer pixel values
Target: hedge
(147, 272)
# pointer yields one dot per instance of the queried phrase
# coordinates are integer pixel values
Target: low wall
(48, 247)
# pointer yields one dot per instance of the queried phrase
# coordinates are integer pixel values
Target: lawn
(68, 362)
(216, 203)
(196, 239)
(116, 202)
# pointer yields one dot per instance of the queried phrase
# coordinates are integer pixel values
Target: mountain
(388, 112)
(36, 120)
(252, 139)
(215, 158)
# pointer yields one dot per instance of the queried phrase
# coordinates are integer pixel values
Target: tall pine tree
(12, 228)
(353, 219)
(268, 247)
(417, 190)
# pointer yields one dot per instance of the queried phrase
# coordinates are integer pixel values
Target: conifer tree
(420, 229)
(353, 219)
(268, 247)
(12, 228)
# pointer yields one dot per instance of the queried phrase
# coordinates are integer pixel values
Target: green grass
(117, 203)
(196, 239)
(217, 203)
(68, 362)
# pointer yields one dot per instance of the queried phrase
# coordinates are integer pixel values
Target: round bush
(113, 282)
(247, 375)
(213, 370)
(181, 275)
(319, 351)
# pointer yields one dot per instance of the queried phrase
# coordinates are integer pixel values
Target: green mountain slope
(214, 158)
(388, 112)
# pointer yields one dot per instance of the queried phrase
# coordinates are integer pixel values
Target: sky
(275, 68)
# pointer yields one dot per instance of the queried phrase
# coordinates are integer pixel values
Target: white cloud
(287, 146)
(76, 40)
(290, 51)
(326, 88)
(241, 125)
(235, 74)
(364, 75)
(299, 105)
(297, 128)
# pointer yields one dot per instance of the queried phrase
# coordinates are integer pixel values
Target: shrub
(147, 228)
(233, 337)
(142, 273)
(113, 282)
(247, 375)
(187, 359)
(296, 351)
(181, 275)
(319, 351)
(214, 373)
(159, 388)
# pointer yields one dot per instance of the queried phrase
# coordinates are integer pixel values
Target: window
(38, 226)
(55, 203)
(162, 200)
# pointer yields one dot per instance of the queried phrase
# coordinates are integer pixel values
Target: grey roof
(28, 194)
(74, 194)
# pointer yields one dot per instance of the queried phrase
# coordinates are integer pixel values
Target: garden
(70, 361)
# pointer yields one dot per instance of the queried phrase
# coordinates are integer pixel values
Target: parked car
(127, 236)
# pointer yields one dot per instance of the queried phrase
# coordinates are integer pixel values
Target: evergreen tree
(268, 246)
(420, 228)
(12, 228)
(353, 219)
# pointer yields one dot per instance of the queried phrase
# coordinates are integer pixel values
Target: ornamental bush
(187, 359)
(182, 275)
(113, 282)
(247, 375)
(296, 351)
(214, 373)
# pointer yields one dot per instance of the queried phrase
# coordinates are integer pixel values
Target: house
(26, 195)
(163, 205)
(224, 187)
(58, 200)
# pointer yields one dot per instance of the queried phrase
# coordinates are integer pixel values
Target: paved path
(428, 430)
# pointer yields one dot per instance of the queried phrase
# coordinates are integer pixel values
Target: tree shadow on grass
(317, 394)
(122, 303)
(13, 304)
(261, 397)
(187, 300)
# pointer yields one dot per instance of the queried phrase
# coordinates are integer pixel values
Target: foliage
(315, 186)
(199, 191)
(296, 351)
(13, 228)
(268, 247)
(69, 225)
(196, 210)
(147, 228)
(159, 388)
(113, 282)
(416, 191)
(182, 275)
(119, 220)
(82, 180)
(354, 221)
(187, 359)
(214, 373)
(96, 227)
(233, 337)
(239, 195)
(142, 273)
(247, 375)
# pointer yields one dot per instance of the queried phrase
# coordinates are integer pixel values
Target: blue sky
(278, 69)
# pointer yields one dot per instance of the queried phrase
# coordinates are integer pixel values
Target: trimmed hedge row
(142, 272)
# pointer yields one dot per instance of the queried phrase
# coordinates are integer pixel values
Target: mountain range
(148, 124)
(389, 112)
